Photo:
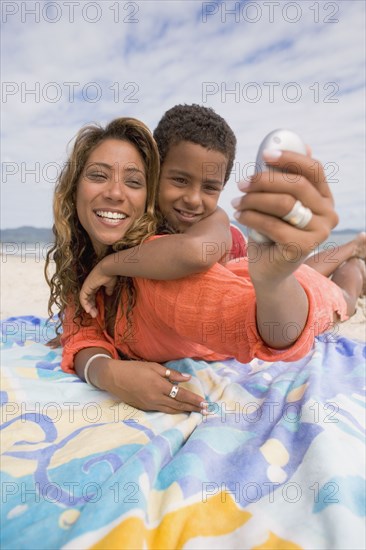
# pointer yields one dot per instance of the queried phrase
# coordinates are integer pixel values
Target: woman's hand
(270, 196)
(94, 281)
(280, 299)
(146, 386)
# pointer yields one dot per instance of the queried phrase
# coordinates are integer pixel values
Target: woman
(105, 196)
(87, 224)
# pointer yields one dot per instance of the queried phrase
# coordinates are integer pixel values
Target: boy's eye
(211, 189)
(179, 180)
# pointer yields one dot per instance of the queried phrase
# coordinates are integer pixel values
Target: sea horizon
(25, 239)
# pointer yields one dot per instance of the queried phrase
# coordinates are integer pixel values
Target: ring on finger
(167, 373)
(174, 391)
(299, 216)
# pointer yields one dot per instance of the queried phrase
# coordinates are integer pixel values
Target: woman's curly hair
(72, 252)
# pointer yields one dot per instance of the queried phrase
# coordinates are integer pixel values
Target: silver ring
(167, 373)
(174, 391)
(299, 216)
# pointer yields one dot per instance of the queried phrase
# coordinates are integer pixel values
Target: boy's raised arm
(172, 257)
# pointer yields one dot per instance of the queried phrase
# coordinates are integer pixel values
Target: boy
(197, 151)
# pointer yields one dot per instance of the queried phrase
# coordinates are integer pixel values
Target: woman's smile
(110, 217)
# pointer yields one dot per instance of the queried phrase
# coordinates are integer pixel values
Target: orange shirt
(209, 316)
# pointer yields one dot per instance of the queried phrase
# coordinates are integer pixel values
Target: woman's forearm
(282, 311)
(140, 384)
(97, 367)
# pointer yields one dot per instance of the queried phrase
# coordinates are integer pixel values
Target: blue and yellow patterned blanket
(278, 464)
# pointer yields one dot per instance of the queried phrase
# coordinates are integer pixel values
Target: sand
(24, 291)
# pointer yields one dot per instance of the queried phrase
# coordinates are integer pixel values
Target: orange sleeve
(218, 310)
(327, 297)
(73, 340)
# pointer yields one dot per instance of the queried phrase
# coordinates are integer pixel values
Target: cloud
(260, 65)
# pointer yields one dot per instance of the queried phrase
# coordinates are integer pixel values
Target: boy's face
(191, 180)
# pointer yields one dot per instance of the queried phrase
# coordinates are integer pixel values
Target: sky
(261, 65)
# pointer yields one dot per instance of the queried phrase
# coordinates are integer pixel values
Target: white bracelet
(89, 362)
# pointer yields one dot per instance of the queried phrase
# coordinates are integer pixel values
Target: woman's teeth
(111, 217)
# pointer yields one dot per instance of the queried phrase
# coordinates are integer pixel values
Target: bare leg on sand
(351, 278)
(328, 261)
(346, 266)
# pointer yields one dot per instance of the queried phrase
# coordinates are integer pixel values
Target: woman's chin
(101, 245)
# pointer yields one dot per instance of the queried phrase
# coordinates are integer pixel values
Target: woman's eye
(134, 183)
(179, 180)
(96, 176)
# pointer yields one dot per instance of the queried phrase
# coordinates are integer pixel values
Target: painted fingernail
(185, 375)
(244, 184)
(237, 215)
(204, 404)
(236, 202)
(271, 154)
(204, 412)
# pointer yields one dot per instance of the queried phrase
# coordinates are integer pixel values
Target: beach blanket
(279, 463)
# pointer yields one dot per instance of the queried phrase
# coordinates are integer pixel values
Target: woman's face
(111, 192)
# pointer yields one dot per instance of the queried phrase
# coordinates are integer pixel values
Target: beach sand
(24, 291)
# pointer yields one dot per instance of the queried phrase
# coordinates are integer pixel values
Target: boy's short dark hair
(199, 125)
